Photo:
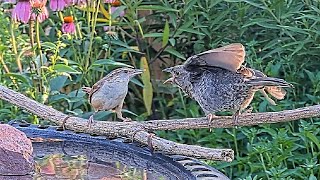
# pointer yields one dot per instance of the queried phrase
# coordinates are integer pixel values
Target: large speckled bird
(218, 81)
(109, 92)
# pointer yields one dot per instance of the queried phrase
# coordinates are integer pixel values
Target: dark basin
(69, 155)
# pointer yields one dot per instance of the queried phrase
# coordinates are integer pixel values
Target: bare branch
(138, 131)
(227, 121)
(134, 130)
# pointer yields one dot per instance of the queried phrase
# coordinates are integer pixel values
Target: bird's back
(218, 89)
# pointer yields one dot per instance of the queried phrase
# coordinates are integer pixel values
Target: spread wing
(228, 57)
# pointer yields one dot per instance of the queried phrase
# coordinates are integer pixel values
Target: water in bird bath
(69, 155)
(62, 166)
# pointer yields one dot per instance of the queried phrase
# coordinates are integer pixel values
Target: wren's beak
(169, 70)
(138, 71)
(171, 80)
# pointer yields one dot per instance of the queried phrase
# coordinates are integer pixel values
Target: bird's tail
(274, 86)
(269, 81)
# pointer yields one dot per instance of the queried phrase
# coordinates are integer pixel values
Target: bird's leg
(63, 125)
(86, 89)
(210, 116)
(151, 135)
(119, 113)
(235, 117)
(248, 110)
(90, 120)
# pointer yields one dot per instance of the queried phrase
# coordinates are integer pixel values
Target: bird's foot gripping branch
(138, 131)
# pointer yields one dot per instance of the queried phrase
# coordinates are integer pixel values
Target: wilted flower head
(22, 11)
(38, 3)
(57, 5)
(39, 10)
(41, 15)
(68, 26)
(116, 3)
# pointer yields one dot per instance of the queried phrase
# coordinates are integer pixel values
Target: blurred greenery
(281, 39)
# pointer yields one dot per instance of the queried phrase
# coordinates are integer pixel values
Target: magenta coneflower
(70, 2)
(41, 16)
(57, 5)
(22, 11)
(39, 11)
(38, 3)
(68, 26)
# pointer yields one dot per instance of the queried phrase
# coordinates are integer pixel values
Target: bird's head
(125, 73)
(178, 75)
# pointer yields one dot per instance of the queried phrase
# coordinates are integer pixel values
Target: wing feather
(228, 57)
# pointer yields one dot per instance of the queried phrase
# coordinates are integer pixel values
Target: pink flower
(39, 10)
(68, 26)
(109, 1)
(70, 2)
(113, 9)
(57, 5)
(37, 4)
(41, 16)
(22, 11)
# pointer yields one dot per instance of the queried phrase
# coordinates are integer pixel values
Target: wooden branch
(138, 131)
(134, 130)
(227, 121)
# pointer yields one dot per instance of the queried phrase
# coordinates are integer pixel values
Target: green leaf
(20, 77)
(191, 31)
(175, 53)
(65, 68)
(117, 12)
(109, 62)
(57, 83)
(314, 139)
(153, 35)
(147, 89)
(166, 34)
(49, 45)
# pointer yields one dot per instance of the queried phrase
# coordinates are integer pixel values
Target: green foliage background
(281, 39)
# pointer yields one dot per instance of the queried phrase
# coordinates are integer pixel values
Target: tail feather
(277, 92)
(269, 81)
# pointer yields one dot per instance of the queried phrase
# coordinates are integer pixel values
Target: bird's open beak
(171, 79)
(138, 71)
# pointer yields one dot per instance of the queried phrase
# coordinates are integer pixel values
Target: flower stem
(14, 46)
(39, 54)
(78, 30)
(110, 18)
(94, 20)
